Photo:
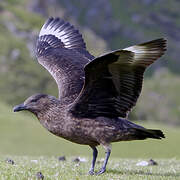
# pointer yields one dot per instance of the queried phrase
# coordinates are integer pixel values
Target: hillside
(105, 25)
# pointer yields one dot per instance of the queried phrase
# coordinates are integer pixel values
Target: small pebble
(142, 163)
(10, 161)
(34, 161)
(147, 163)
(62, 158)
(82, 159)
(76, 160)
(39, 175)
(151, 162)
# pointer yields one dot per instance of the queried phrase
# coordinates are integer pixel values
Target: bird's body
(95, 94)
(92, 132)
(85, 131)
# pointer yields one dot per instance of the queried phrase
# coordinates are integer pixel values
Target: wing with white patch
(62, 51)
(113, 82)
(146, 53)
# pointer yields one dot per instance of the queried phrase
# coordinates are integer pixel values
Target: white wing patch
(50, 30)
(142, 54)
(137, 49)
(147, 53)
(64, 31)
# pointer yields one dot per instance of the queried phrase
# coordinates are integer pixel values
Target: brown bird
(95, 94)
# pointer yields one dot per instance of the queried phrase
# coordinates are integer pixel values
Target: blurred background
(106, 25)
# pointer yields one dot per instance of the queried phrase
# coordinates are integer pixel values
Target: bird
(96, 94)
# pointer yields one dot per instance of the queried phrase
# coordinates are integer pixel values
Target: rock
(151, 162)
(10, 161)
(76, 160)
(142, 163)
(82, 159)
(39, 175)
(79, 159)
(62, 158)
(34, 161)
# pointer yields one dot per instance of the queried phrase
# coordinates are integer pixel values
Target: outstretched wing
(113, 82)
(62, 51)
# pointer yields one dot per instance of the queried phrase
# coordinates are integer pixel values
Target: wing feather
(113, 82)
(62, 51)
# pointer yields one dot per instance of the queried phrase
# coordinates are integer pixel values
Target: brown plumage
(95, 94)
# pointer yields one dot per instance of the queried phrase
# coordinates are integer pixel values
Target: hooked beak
(19, 107)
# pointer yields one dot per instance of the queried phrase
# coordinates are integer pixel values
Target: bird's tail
(141, 134)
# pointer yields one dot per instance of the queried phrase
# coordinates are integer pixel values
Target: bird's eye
(34, 100)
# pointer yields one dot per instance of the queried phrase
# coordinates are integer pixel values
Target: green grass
(27, 168)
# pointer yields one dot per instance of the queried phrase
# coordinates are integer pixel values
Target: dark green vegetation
(118, 25)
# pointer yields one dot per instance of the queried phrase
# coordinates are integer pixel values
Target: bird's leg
(95, 153)
(108, 152)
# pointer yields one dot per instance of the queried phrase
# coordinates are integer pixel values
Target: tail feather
(148, 133)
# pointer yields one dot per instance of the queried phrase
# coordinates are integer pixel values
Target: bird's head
(37, 103)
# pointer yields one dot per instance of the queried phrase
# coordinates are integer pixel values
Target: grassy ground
(125, 169)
